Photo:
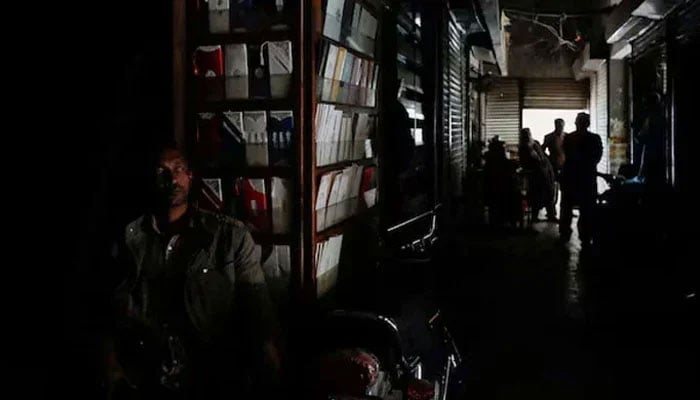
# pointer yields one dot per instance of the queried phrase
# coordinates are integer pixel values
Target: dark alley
(377, 200)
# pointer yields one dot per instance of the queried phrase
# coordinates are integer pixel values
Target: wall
(533, 52)
(618, 125)
(120, 107)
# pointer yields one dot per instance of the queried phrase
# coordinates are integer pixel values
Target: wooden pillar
(179, 70)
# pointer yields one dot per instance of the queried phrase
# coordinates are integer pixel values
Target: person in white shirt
(554, 146)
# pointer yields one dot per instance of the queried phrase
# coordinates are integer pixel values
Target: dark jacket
(211, 292)
(401, 140)
(583, 152)
(220, 266)
(500, 181)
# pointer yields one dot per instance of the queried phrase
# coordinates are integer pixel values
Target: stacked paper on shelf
(236, 63)
(363, 128)
(276, 265)
(209, 139)
(280, 141)
(365, 38)
(328, 69)
(279, 55)
(322, 196)
(219, 16)
(332, 25)
(281, 195)
(255, 128)
(260, 76)
(255, 203)
(337, 196)
(255, 15)
(234, 144)
(327, 261)
(340, 136)
(211, 195)
(353, 38)
(209, 69)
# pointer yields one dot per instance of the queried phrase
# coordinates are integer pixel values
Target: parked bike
(360, 356)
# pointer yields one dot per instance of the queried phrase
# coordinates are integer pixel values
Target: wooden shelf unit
(317, 38)
(304, 30)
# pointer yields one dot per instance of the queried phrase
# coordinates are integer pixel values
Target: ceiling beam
(492, 15)
(620, 50)
(655, 9)
(617, 25)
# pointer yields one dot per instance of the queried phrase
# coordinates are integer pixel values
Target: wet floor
(543, 319)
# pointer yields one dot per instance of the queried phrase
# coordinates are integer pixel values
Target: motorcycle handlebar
(436, 322)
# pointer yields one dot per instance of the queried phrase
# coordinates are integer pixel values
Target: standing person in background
(500, 188)
(540, 174)
(399, 159)
(554, 145)
(583, 151)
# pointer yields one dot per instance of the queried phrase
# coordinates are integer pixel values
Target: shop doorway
(541, 121)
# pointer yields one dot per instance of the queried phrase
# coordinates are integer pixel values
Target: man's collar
(150, 222)
(154, 224)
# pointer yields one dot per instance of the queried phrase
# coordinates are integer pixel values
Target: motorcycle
(639, 241)
(450, 375)
(360, 356)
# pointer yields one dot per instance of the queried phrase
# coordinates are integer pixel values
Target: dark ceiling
(545, 34)
(553, 6)
(464, 11)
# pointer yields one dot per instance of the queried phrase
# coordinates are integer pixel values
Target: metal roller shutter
(684, 25)
(503, 111)
(600, 124)
(555, 94)
(684, 32)
(454, 67)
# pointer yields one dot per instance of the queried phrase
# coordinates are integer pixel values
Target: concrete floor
(537, 318)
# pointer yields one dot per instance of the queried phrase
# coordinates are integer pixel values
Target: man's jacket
(582, 152)
(221, 276)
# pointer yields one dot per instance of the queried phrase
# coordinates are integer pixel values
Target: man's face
(559, 125)
(172, 166)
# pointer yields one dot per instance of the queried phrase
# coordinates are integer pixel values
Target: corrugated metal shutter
(454, 66)
(684, 32)
(650, 40)
(684, 25)
(555, 94)
(472, 104)
(503, 111)
(593, 109)
(601, 120)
